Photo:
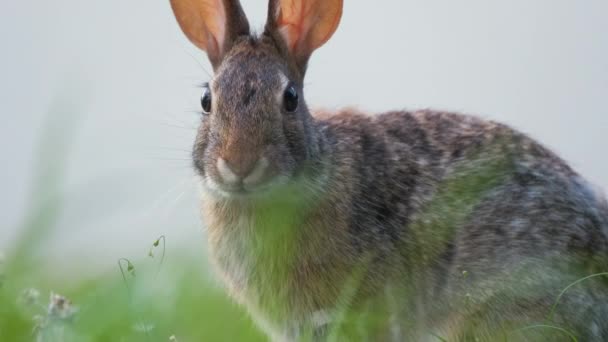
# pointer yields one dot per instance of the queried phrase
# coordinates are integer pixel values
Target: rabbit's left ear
(212, 25)
(303, 25)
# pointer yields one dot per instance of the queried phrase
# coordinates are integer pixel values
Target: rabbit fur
(404, 225)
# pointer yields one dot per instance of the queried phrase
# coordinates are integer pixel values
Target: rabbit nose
(250, 172)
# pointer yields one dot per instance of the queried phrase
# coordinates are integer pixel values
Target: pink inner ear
(203, 22)
(290, 35)
(307, 24)
(216, 18)
(213, 46)
(290, 20)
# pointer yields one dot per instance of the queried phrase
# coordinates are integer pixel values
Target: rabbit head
(256, 131)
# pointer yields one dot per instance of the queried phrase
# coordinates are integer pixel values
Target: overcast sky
(118, 81)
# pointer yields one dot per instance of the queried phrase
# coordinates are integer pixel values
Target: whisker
(176, 167)
(178, 126)
(170, 159)
(199, 63)
(163, 197)
(172, 120)
(195, 111)
(176, 201)
(167, 115)
(169, 149)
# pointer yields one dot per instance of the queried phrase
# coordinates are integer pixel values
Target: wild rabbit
(398, 226)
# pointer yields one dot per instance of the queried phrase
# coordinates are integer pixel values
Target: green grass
(147, 306)
(164, 295)
(160, 296)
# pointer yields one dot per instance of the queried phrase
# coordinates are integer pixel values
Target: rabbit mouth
(242, 190)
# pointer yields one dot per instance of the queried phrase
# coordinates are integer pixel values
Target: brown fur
(430, 222)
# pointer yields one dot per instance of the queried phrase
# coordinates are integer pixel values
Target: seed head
(60, 307)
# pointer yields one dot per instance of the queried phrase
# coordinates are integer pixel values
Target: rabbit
(405, 225)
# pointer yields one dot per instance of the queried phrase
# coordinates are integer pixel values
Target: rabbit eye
(290, 99)
(206, 100)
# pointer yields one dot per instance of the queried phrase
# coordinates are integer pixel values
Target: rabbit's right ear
(303, 25)
(212, 25)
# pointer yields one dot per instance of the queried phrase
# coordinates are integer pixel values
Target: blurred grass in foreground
(160, 298)
(179, 302)
(165, 296)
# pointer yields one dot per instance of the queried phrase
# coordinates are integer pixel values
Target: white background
(118, 81)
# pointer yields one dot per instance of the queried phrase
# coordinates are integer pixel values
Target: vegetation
(164, 296)
(161, 296)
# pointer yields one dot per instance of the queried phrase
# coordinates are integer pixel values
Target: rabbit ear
(303, 25)
(212, 25)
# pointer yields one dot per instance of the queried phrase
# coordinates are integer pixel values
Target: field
(161, 294)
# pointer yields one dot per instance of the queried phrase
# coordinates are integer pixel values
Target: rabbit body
(409, 211)
(397, 226)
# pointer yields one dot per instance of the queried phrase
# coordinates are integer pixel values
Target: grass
(161, 296)
(145, 305)
(164, 296)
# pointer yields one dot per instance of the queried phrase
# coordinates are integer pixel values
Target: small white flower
(172, 338)
(29, 296)
(60, 307)
(40, 322)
